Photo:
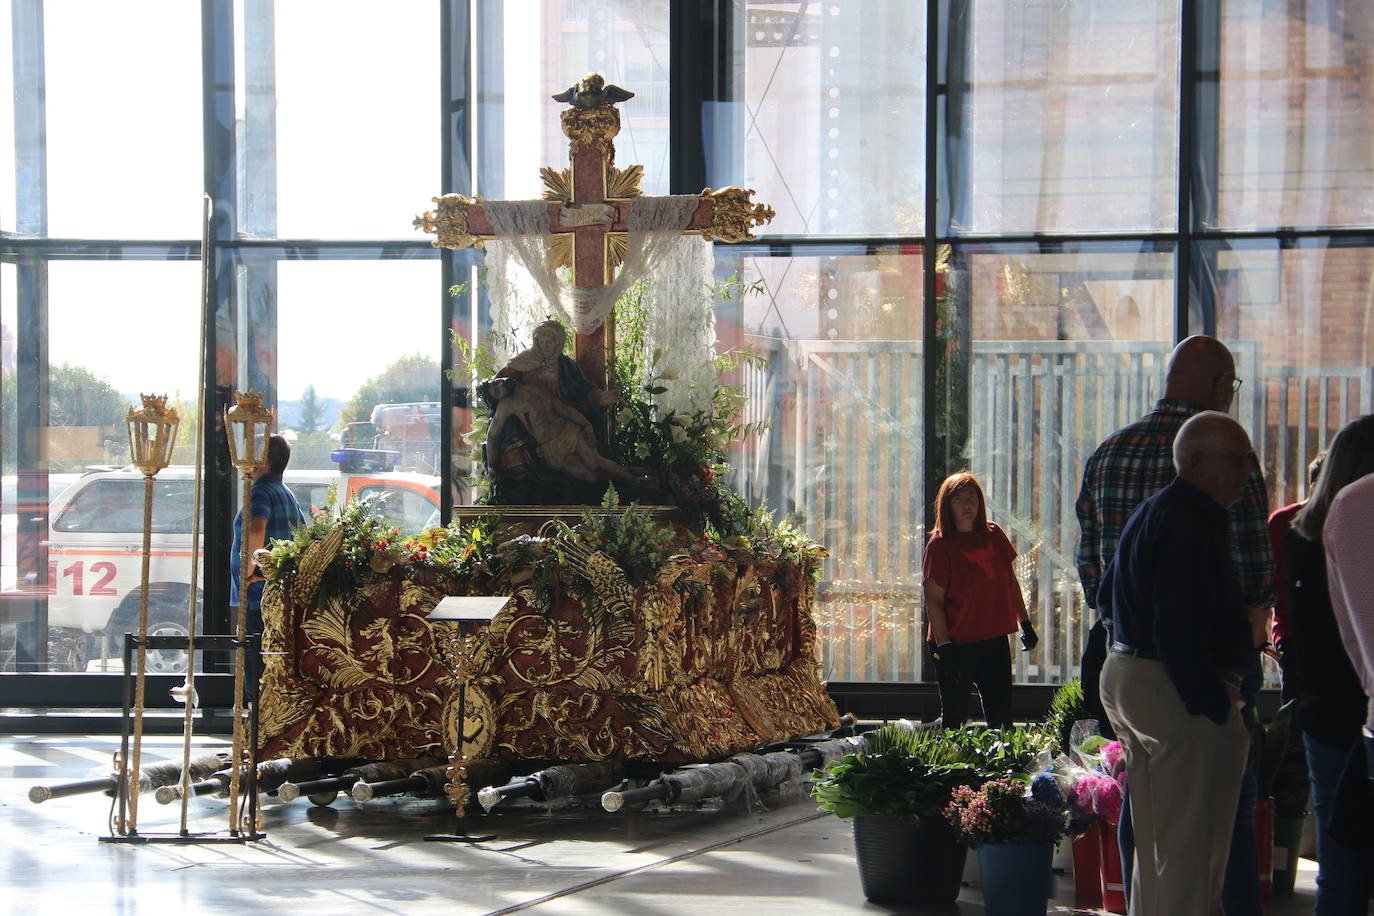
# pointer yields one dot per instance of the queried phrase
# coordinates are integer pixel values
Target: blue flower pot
(1016, 878)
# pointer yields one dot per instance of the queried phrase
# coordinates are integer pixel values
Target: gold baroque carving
(617, 243)
(693, 663)
(592, 128)
(733, 214)
(557, 184)
(479, 723)
(622, 184)
(563, 249)
(449, 221)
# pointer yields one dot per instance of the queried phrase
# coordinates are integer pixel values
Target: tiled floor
(373, 859)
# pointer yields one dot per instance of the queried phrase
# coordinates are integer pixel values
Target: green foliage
(462, 550)
(410, 378)
(371, 547)
(1279, 761)
(79, 397)
(999, 752)
(76, 397)
(1066, 707)
(311, 413)
(630, 536)
(645, 435)
(901, 773)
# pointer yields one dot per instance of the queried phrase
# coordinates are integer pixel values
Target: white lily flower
(679, 434)
(641, 451)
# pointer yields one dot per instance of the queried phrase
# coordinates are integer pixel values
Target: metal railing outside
(846, 433)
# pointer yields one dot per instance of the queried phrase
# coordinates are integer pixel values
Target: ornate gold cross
(589, 206)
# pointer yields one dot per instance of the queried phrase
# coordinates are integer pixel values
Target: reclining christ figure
(562, 436)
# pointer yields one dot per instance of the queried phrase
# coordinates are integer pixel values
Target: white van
(95, 544)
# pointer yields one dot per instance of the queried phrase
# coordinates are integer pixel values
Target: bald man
(1134, 463)
(1181, 643)
(1137, 461)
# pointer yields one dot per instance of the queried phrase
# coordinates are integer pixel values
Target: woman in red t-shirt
(973, 602)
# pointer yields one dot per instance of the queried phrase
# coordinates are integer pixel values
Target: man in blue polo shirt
(274, 513)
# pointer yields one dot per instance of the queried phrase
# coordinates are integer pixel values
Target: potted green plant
(1015, 835)
(895, 790)
(1067, 706)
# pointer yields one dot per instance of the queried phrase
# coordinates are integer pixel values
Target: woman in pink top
(973, 602)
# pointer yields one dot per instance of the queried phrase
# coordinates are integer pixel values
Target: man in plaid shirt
(1133, 464)
(1137, 461)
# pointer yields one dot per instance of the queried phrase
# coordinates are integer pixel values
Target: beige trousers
(1184, 773)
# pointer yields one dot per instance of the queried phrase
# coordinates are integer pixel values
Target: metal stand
(463, 611)
(127, 787)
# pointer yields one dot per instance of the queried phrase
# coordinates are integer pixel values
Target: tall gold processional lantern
(152, 435)
(248, 426)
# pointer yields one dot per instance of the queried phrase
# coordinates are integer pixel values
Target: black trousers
(985, 664)
(1090, 674)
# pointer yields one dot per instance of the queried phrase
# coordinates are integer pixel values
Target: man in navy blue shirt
(274, 513)
(1171, 684)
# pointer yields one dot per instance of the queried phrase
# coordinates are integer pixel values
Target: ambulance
(95, 545)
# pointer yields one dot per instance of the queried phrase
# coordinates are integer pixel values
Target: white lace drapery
(525, 290)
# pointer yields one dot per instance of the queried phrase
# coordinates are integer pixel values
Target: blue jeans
(1343, 874)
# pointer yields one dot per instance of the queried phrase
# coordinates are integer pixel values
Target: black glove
(1028, 638)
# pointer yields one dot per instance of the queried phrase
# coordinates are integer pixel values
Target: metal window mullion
(31, 343)
(456, 176)
(220, 182)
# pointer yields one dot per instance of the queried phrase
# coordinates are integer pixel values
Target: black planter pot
(901, 860)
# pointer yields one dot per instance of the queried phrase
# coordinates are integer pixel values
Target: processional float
(715, 732)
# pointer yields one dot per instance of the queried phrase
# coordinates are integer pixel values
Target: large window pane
(358, 394)
(139, 335)
(123, 119)
(1300, 322)
(1296, 115)
(832, 114)
(551, 44)
(354, 123)
(7, 173)
(1063, 116)
(10, 597)
(841, 329)
(1066, 348)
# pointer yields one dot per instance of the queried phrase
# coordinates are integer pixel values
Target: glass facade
(993, 222)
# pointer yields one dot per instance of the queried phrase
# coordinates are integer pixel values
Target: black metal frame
(248, 782)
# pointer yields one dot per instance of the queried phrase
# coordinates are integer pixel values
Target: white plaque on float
(469, 607)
